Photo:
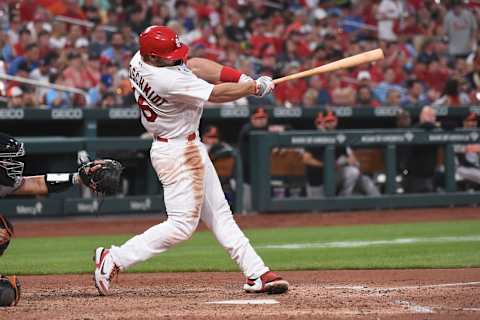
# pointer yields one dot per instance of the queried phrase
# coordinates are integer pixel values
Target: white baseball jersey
(171, 98)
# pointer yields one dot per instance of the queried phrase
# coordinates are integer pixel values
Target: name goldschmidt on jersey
(146, 88)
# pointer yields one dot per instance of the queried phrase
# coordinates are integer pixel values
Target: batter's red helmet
(162, 42)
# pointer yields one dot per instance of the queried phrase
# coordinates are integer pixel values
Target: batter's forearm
(226, 92)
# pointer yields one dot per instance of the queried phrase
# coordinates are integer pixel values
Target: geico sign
(67, 114)
(12, 114)
(125, 113)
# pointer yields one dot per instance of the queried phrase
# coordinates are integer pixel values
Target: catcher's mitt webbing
(6, 233)
(102, 176)
(9, 291)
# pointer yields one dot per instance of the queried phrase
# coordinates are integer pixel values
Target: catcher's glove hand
(102, 176)
(6, 233)
(9, 291)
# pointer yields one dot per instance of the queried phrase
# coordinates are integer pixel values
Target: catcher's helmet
(163, 42)
(10, 170)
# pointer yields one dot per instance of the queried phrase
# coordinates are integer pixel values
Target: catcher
(101, 176)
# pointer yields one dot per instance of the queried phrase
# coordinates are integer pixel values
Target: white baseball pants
(192, 192)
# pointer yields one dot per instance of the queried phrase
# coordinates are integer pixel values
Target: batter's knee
(184, 228)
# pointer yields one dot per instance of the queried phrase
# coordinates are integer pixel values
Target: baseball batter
(171, 93)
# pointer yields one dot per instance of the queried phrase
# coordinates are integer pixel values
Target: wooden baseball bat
(349, 62)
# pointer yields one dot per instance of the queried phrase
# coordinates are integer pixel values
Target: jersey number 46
(148, 113)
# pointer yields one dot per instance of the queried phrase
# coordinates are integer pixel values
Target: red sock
(228, 74)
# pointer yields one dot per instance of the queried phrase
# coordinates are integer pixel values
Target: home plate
(251, 301)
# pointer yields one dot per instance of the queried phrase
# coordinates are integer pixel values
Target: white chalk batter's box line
(427, 286)
(416, 308)
(367, 243)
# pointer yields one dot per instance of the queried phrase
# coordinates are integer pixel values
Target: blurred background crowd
(430, 46)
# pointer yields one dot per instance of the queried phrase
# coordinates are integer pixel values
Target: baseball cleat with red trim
(269, 282)
(105, 270)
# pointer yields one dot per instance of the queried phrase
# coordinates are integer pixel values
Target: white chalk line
(366, 243)
(416, 308)
(413, 307)
(250, 301)
(440, 285)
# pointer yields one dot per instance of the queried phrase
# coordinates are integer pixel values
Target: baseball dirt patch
(359, 294)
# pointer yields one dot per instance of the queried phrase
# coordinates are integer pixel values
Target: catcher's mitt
(102, 176)
(6, 233)
(9, 291)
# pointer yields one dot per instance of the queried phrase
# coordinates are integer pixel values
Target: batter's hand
(244, 78)
(264, 85)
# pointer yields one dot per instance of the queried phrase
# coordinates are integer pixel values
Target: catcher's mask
(10, 169)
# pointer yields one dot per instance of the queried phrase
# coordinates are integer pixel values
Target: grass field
(420, 245)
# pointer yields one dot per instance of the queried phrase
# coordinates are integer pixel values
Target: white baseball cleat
(269, 282)
(105, 270)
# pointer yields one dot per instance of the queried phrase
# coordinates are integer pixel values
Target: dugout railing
(262, 144)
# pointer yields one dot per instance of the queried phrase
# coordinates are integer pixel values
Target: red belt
(192, 136)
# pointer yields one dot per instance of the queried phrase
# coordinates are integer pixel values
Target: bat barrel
(349, 62)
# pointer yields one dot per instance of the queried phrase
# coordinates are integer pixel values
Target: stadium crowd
(430, 46)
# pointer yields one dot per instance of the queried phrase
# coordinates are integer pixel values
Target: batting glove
(264, 85)
(244, 78)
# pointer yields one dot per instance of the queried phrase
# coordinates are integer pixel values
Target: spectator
(365, 98)
(116, 52)
(349, 176)
(388, 83)
(414, 96)
(451, 96)
(24, 39)
(108, 100)
(310, 98)
(342, 93)
(77, 75)
(138, 19)
(388, 13)
(41, 74)
(183, 15)
(364, 78)
(468, 156)
(15, 97)
(58, 39)
(393, 98)
(461, 29)
(95, 95)
(29, 97)
(29, 59)
(318, 84)
(422, 159)
(98, 41)
(290, 93)
(57, 99)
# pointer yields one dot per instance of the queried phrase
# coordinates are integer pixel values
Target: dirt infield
(343, 294)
